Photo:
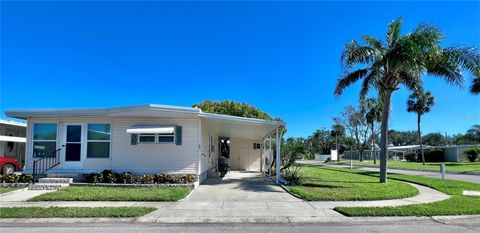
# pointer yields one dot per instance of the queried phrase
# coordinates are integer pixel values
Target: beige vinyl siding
(140, 158)
(249, 161)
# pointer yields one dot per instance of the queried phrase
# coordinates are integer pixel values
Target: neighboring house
(455, 153)
(143, 139)
(12, 140)
(394, 152)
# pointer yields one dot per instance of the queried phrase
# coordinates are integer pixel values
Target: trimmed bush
(434, 155)
(412, 157)
(107, 176)
(14, 178)
(472, 154)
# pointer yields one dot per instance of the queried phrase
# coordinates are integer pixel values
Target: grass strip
(324, 184)
(7, 189)
(89, 193)
(458, 204)
(74, 212)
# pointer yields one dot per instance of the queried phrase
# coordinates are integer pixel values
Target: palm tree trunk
(420, 138)
(383, 136)
(373, 143)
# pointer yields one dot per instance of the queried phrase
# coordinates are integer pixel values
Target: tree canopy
(233, 108)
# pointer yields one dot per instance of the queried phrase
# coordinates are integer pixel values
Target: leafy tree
(434, 139)
(420, 102)
(355, 124)
(401, 138)
(321, 141)
(474, 133)
(373, 109)
(401, 60)
(233, 108)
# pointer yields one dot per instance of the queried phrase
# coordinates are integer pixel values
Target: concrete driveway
(240, 186)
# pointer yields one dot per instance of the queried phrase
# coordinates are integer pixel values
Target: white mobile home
(142, 139)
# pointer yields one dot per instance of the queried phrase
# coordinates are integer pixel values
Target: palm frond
(355, 53)
(475, 87)
(393, 33)
(349, 79)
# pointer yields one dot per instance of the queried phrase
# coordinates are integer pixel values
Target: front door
(73, 146)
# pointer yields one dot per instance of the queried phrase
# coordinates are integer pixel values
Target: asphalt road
(393, 226)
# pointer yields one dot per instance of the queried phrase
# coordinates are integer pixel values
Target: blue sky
(282, 57)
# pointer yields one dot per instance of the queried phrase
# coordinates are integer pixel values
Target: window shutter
(178, 135)
(134, 139)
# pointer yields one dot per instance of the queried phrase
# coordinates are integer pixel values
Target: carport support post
(277, 162)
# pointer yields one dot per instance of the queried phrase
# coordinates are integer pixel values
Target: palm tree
(337, 131)
(400, 60)
(373, 109)
(420, 102)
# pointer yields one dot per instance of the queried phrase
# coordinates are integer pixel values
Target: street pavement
(423, 225)
(449, 176)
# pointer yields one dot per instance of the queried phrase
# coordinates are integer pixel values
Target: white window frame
(154, 135)
(87, 140)
(43, 140)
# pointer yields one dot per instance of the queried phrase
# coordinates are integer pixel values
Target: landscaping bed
(74, 212)
(100, 193)
(458, 204)
(324, 184)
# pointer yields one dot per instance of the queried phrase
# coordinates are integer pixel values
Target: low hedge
(14, 178)
(108, 176)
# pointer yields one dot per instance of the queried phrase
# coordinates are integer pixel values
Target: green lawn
(89, 193)
(7, 189)
(431, 166)
(325, 184)
(456, 205)
(74, 212)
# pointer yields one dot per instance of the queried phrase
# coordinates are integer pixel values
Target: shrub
(127, 178)
(13, 178)
(472, 154)
(25, 178)
(412, 157)
(434, 155)
(147, 179)
(328, 160)
(292, 174)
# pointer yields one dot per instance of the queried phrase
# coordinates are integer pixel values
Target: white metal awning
(151, 129)
(12, 139)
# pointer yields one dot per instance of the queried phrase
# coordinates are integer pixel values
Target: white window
(98, 141)
(44, 139)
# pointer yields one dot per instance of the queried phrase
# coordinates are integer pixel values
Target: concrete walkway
(450, 176)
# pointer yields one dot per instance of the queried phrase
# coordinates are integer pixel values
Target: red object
(9, 160)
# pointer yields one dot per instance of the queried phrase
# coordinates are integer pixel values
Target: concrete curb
(229, 220)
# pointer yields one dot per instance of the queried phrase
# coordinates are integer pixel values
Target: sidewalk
(450, 176)
(194, 211)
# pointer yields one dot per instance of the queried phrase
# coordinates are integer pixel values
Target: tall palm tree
(373, 109)
(400, 60)
(420, 102)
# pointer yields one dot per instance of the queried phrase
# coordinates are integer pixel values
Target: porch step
(47, 186)
(55, 180)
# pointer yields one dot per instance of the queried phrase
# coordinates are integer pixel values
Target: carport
(243, 135)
